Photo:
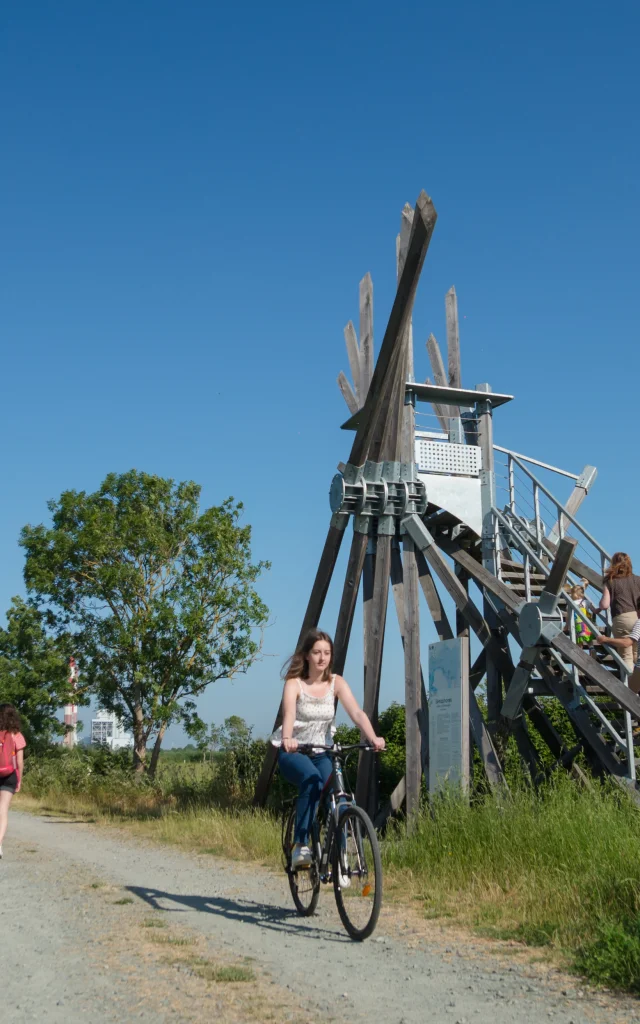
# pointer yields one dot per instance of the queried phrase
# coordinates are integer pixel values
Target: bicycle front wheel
(305, 883)
(357, 873)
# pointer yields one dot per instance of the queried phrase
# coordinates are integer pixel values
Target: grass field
(559, 869)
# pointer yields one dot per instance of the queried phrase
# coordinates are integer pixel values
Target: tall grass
(559, 868)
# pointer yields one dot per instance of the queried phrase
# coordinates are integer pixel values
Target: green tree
(34, 670)
(160, 596)
(234, 735)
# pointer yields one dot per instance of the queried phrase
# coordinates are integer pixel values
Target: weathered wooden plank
(477, 670)
(350, 591)
(519, 682)
(429, 589)
(439, 373)
(462, 626)
(412, 695)
(366, 788)
(366, 334)
(584, 482)
(453, 338)
(353, 352)
(422, 715)
(347, 392)
(424, 222)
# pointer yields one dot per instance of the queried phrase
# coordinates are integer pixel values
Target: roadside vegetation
(554, 867)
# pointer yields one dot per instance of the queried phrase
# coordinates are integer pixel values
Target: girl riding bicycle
(308, 705)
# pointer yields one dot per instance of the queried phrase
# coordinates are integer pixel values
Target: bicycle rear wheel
(304, 883)
(357, 873)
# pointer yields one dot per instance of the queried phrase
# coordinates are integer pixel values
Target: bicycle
(344, 848)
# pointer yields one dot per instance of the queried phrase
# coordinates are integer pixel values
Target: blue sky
(191, 193)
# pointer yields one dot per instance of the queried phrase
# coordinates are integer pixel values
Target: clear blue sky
(191, 193)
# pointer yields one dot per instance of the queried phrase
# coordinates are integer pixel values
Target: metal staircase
(529, 528)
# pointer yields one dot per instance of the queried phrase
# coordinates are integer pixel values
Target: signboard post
(449, 714)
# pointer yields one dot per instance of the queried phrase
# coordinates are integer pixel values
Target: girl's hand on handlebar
(378, 743)
(290, 745)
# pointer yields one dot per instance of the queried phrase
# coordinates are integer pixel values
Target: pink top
(19, 740)
(19, 743)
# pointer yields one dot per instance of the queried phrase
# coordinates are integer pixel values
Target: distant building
(107, 730)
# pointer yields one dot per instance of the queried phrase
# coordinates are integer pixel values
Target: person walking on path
(621, 593)
(12, 744)
(309, 705)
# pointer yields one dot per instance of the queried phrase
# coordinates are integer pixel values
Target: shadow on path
(262, 915)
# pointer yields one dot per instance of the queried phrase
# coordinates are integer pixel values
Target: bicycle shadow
(244, 911)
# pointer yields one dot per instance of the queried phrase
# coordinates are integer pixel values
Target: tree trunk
(155, 753)
(139, 741)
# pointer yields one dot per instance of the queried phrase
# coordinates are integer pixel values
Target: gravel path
(86, 901)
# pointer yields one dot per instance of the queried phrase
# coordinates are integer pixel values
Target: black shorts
(8, 783)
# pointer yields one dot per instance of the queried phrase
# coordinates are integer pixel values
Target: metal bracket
(388, 490)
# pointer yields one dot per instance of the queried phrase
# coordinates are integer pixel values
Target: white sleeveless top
(315, 718)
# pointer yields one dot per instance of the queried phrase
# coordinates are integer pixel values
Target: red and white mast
(71, 710)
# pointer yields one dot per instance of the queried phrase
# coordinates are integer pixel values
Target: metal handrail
(525, 549)
(562, 512)
(536, 462)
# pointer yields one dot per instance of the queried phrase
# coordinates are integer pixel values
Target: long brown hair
(297, 667)
(9, 719)
(619, 568)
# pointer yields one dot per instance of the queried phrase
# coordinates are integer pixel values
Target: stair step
(509, 574)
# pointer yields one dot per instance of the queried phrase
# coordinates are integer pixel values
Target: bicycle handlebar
(335, 748)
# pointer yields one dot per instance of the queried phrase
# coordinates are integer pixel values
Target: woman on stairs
(621, 594)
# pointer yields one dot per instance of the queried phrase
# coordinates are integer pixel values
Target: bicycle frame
(336, 797)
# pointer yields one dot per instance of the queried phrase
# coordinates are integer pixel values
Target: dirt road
(108, 928)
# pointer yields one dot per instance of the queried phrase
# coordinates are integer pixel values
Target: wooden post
(489, 560)
(366, 334)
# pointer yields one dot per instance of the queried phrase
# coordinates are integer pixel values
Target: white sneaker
(301, 857)
(343, 880)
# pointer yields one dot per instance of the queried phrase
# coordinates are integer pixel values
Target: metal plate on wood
(444, 457)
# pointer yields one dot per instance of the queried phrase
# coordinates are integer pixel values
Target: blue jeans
(309, 774)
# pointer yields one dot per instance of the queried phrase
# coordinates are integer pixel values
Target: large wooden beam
(424, 222)
(430, 591)
(453, 338)
(353, 353)
(366, 334)
(583, 484)
(348, 393)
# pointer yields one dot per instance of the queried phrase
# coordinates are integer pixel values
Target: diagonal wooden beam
(353, 353)
(366, 334)
(430, 591)
(583, 484)
(348, 393)
(424, 222)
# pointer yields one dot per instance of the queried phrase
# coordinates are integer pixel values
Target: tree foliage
(160, 596)
(34, 670)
